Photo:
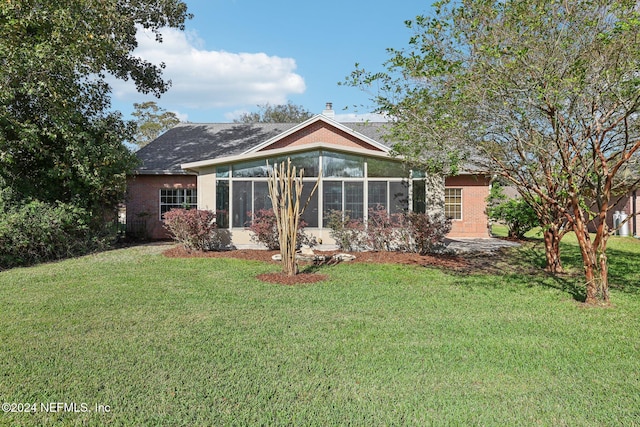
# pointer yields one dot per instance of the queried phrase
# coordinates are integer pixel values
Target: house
(223, 167)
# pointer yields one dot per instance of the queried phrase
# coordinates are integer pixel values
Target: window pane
(222, 171)
(310, 215)
(342, 165)
(331, 197)
(307, 161)
(190, 199)
(222, 203)
(241, 203)
(453, 203)
(399, 197)
(378, 168)
(255, 168)
(377, 194)
(261, 199)
(419, 194)
(354, 199)
(177, 198)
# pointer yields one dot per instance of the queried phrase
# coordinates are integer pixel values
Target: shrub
(348, 233)
(194, 229)
(265, 230)
(39, 232)
(517, 214)
(427, 230)
(416, 232)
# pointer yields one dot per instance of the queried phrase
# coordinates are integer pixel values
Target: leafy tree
(151, 121)
(58, 139)
(547, 90)
(282, 113)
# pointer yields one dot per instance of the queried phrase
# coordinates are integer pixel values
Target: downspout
(635, 213)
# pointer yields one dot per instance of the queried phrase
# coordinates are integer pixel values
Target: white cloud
(204, 79)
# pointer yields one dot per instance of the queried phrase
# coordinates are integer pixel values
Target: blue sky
(236, 54)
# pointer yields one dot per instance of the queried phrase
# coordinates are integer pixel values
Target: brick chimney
(328, 111)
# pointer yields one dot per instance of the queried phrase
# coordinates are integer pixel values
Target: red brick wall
(320, 132)
(143, 200)
(475, 190)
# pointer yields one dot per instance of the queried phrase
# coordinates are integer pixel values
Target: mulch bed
(449, 262)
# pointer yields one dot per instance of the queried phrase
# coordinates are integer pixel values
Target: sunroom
(352, 180)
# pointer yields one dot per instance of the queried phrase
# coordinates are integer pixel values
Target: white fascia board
(194, 166)
(316, 118)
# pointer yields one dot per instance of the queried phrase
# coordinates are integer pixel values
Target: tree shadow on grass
(527, 262)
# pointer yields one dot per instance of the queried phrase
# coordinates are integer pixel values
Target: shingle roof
(192, 142)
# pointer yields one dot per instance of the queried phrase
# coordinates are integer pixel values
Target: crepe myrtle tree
(544, 92)
(285, 189)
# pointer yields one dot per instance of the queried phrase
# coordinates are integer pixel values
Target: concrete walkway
(477, 246)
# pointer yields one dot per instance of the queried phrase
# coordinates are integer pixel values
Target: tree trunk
(552, 250)
(594, 260)
(285, 190)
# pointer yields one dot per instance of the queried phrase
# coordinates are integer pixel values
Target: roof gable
(320, 129)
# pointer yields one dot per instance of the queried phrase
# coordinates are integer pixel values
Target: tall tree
(547, 90)
(59, 141)
(151, 122)
(282, 113)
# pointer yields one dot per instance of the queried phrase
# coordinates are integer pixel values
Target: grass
(201, 342)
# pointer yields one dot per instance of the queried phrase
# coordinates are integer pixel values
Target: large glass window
(252, 169)
(310, 214)
(331, 198)
(171, 198)
(381, 168)
(399, 197)
(242, 197)
(337, 165)
(243, 187)
(453, 203)
(419, 195)
(261, 198)
(308, 161)
(377, 195)
(222, 203)
(354, 199)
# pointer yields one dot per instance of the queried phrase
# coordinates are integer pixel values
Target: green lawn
(173, 342)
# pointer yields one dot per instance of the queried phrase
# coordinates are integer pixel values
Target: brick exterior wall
(475, 190)
(143, 202)
(320, 132)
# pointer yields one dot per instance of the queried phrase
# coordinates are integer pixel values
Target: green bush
(39, 232)
(516, 214)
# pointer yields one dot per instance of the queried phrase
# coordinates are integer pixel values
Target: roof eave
(195, 166)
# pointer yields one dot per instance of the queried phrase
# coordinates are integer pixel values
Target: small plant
(265, 230)
(348, 233)
(427, 230)
(193, 228)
